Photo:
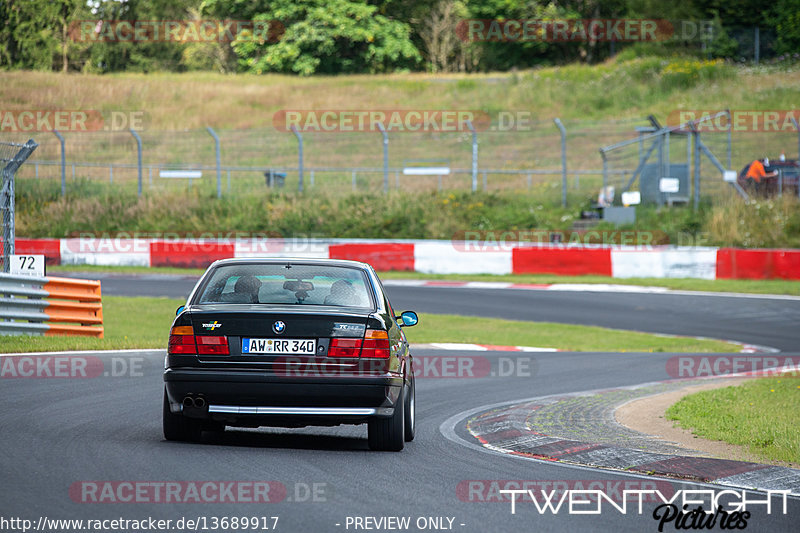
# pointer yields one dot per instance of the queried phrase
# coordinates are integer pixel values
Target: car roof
(317, 261)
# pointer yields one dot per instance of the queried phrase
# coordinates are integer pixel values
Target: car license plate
(279, 346)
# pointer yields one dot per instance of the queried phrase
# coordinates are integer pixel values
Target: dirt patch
(646, 415)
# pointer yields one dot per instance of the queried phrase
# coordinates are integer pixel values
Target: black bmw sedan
(289, 343)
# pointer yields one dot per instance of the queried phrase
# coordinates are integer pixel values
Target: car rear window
(285, 283)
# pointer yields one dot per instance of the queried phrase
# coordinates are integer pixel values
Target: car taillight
(182, 340)
(212, 345)
(340, 347)
(376, 344)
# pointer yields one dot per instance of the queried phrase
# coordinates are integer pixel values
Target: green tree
(786, 20)
(34, 33)
(110, 56)
(321, 36)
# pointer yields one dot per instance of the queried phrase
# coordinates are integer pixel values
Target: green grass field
(600, 104)
(759, 414)
(144, 323)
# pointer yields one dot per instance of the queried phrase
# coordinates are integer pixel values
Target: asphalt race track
(64, 438)
(763, 321)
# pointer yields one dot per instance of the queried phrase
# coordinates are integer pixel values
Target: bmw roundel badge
(278, 327)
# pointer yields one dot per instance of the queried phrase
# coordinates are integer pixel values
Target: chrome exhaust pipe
(200, 402)
(188, 402)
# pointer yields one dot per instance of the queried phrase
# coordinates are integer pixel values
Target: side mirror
(179, 310)
(408, 318)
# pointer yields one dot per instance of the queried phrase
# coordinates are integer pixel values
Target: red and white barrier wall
(435, 257)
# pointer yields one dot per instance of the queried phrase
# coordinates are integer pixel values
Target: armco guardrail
(28, 303)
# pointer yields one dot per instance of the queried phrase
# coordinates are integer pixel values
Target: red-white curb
(469, 347)
(434, 257)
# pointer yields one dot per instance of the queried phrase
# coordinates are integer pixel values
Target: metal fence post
(797, 127)
(696, 138)
(10, 167)
(688, 156)
(385, 156)
(660, 168)
(730, 139)
(63, 163)
(563, 161)
(299, 157)
(219, 164)
(757, 45)
(139, 161)
(605, 169)
(474, 157)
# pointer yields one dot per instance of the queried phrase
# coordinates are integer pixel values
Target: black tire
(388, 434)
(178, 427)
(410, 419)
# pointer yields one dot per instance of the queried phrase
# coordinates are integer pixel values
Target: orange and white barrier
(50, 306)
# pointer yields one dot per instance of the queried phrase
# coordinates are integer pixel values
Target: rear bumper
(256, 398)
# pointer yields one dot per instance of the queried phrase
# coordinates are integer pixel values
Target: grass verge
(760, 414)
(785, 287)
(143, 322)
(747, 286)
(455, 328)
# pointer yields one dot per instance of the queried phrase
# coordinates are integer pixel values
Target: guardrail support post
(139, 160)
(299, 157)
(563, 161)
(219, 164)
(63, 163)
(474, 156)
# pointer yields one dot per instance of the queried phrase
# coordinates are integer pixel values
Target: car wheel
(410, 412)
(388, 434)
(178, 427)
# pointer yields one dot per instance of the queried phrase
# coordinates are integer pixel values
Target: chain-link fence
(12, 155)
(698, 158)
(512, 153)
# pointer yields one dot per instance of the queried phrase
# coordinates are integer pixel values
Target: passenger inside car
(342, 293)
